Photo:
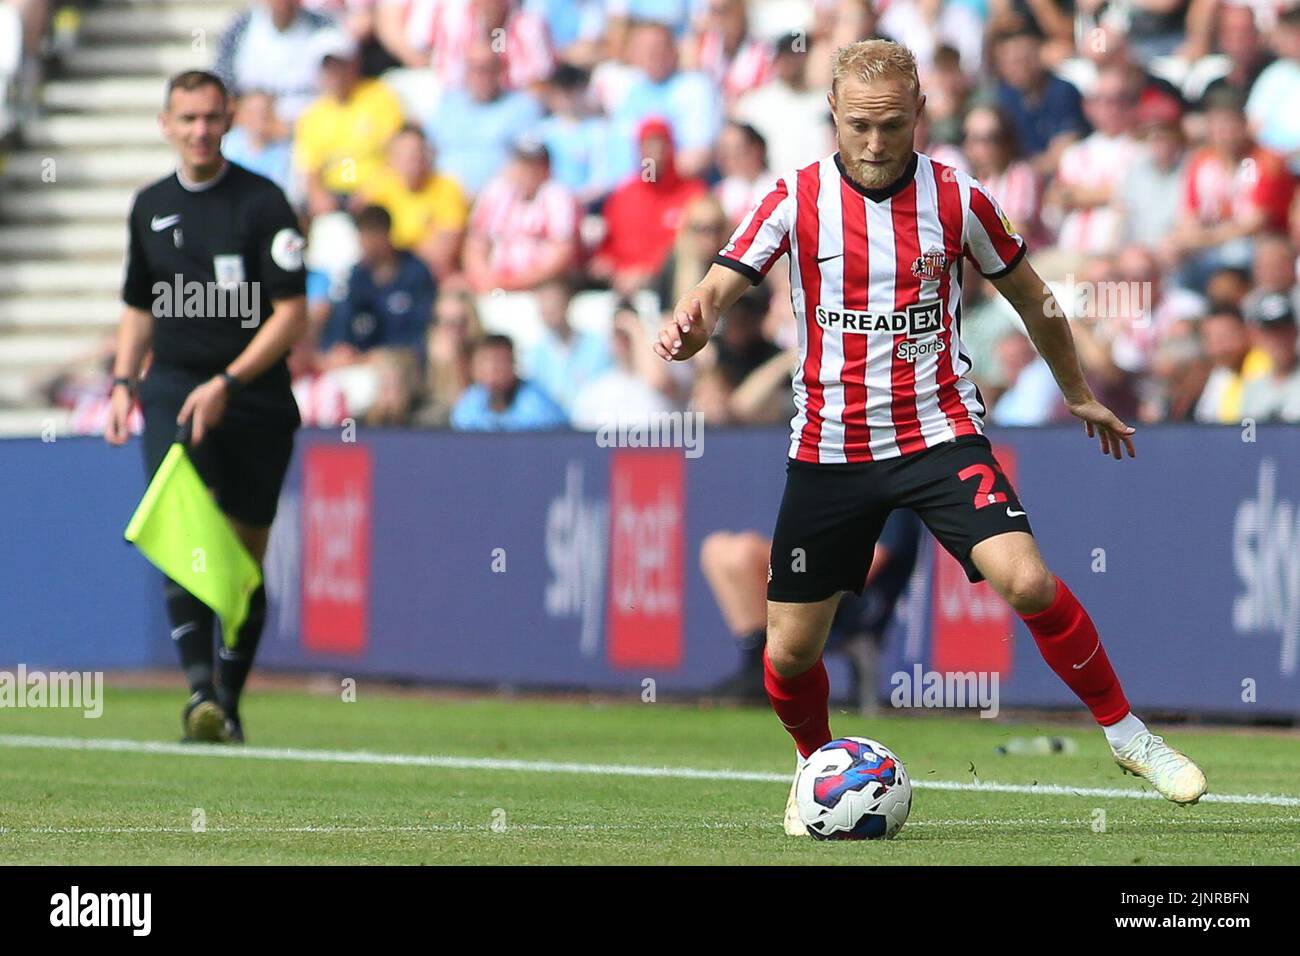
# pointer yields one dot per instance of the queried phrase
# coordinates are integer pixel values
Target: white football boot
(794, 825)
(1171, 772)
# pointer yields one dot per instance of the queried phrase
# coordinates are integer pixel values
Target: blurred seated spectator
(947, 93)
(577, 28)
(523, 229)
(1272, 272)
(1274, 396)
(254, 142)
(738, 346)
(789, 112)
(429, 209)
(1147, 199)
(322, 402)
(622, 395)
(563, 360)
(577, 139)
(358, 18)
(1046, 112)
(1031, 396)
(703, 232)
(687, 101)
(499, 400)
(1092, 168)
(836, 23)
(924, 26)
(473, 127)
(1234, 362)
(1242, 55)
(742, 162)
(389, 299)
(1178, 373)
(726, 51)
(1235, 190)
(1048, 21)
(643, 214)
(994, 156)
(1275, 95)
(1228, 289)
(272, 46)
(340, 138)
(449, 348)
(438, 33)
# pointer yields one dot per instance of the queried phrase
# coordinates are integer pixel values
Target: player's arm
(687, 329)
(134, 332)
(1049, 330)
(134, 338)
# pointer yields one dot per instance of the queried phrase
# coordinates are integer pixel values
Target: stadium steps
(65, 193)
(81, 166)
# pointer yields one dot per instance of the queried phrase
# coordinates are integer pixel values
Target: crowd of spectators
(502, 196)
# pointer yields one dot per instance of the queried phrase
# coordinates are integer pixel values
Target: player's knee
(1029, 587)
(789, 660)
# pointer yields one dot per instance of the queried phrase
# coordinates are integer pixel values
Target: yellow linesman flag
(179, 528)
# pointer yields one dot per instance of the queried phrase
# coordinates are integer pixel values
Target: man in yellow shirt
(339, 140)
(429, 209)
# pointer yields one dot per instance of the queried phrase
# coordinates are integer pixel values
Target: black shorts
(243, 460)
(831, 515)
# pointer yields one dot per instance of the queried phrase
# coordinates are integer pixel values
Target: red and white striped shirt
(520, 227)
(875, 282)
(447, 29)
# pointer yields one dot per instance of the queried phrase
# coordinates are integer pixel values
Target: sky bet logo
(924, 318)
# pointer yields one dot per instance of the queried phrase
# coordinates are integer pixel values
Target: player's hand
(205, 405)
(686, 330)
(118, 428)
(1100, 422)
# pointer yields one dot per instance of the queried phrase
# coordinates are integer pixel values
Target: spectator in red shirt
(1234, 191)
(643, 214)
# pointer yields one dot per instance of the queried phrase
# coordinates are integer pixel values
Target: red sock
(800, 703)
(1068, 641)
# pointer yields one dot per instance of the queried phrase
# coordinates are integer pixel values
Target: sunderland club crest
(930, 264)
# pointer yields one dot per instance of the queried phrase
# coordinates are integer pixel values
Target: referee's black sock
(234, 663)
(192, 629)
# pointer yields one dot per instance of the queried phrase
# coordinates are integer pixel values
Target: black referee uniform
(208, 261)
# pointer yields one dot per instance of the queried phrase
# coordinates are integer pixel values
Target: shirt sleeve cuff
(748, 271)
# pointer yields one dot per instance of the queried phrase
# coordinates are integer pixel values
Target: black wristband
(233, 384)
(123, 380)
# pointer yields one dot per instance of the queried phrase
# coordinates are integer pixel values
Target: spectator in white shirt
(271, 46)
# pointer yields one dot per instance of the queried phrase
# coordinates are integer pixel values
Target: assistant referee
(215, 288)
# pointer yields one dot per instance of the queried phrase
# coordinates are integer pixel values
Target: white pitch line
(590, 769)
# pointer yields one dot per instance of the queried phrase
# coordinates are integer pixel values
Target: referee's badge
(930, 264)
(286, 249)
(229, 270)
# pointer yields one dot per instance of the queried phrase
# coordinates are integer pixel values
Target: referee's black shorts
(831, 514)
(243, 460)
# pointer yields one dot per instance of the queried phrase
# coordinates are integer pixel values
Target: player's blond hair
(869, 60)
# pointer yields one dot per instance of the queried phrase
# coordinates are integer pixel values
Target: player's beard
(872, 176)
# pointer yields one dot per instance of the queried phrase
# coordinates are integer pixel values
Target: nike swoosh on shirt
(159, 223)
(1013, 514)
(822, 259)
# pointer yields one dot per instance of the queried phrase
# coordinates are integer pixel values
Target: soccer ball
(853, 789)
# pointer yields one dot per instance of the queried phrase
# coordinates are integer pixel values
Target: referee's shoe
(205, 722)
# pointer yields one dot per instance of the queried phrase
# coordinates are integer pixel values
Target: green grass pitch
(69, 802)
